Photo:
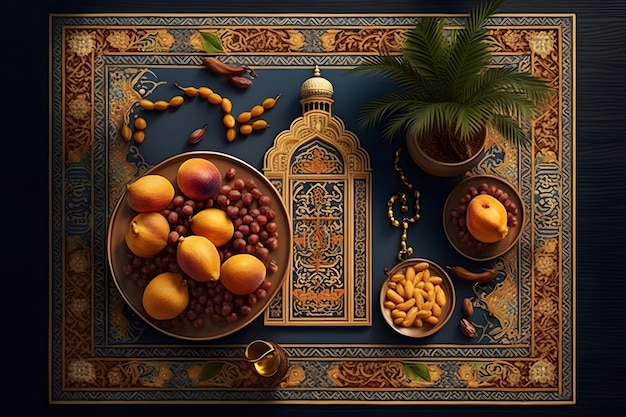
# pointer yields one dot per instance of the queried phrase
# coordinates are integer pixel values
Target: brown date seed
(197, 135)
(467, 328)
(468, 308)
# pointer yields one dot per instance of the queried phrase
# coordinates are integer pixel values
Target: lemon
(486, 219)
(166, 296)
(214, 224)
(198, 257)
(146, 234)
(151, 192)
(242, 273)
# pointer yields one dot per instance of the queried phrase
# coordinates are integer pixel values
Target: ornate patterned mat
(100, 352)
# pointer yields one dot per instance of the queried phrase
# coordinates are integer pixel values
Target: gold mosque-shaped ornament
(325, 179)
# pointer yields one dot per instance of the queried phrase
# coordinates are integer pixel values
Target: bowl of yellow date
(417, 298)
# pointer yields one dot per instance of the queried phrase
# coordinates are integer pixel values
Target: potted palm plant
(449, 93)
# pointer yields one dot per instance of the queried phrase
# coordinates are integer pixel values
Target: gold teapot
(269, 359)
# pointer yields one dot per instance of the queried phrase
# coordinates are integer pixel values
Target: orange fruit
(242, 273)
(151, 192)
(198, 178)
(198, 257)
(146, 234)
(166, 296)
(214, 224)
(486, 219)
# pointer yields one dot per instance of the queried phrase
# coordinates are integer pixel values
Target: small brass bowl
(487, 251)
(426, 329)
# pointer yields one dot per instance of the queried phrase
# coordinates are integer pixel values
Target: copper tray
(116, 247)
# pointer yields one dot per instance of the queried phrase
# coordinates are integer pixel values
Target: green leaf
(211, 43)
(210, 370)
(417, 371)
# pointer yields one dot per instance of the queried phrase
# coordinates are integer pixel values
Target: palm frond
(511, 80)
(396, 125)
(471, 49)
(388, 66)
(427, 48)
(394, 68)
(518, 107)
(511, 130)
(385, 109)
(469, 120)
(445, 83)
(507, 91)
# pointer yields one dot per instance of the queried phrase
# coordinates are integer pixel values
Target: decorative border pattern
(88, 167)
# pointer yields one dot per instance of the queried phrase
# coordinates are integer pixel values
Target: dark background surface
(600, 205)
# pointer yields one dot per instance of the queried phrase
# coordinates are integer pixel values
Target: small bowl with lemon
(483, 217)
(199, 245)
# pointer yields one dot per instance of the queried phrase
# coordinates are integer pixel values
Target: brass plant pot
(438, 168)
